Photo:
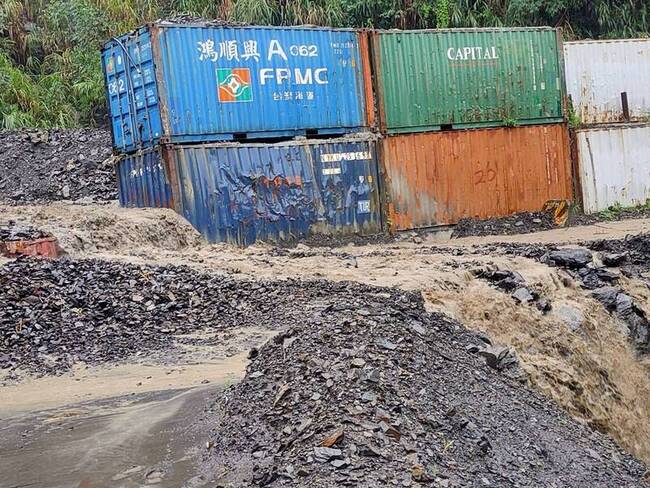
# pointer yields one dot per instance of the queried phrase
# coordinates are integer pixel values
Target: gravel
(527, 222)
(13, 231)
(56, 313)
(328, 404)
(359, 387)
(519, 223)
(45, 166)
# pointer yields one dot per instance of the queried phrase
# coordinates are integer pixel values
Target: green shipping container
(468, 78)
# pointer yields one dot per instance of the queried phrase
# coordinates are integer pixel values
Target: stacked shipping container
(175, 91)
(609, 85)
(170, 83)
(241, 193)
(171, 87)
(431, 81)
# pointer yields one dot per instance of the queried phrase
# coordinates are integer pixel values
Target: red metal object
(438, 178)
(47, 247)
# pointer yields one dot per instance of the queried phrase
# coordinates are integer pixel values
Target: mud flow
(134, 423)
(144, 439)
(145, 356)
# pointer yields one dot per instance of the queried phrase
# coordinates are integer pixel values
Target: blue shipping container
(172, 83)
(143, 181)
(241, 193)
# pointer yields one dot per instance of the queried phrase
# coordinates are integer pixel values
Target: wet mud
(133, 441)
(574, 352)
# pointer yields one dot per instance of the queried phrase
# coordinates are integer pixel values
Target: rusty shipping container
(194, 83)
(614, 166)
(468, 78)
(602, 76)
(435, 178)
(242, 193)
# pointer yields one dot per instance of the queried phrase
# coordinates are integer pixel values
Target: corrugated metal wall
(285, 191)
(614, 164)
(143, 181)
(597, 72)
(468, 78)
(235, 83)
(441, 177)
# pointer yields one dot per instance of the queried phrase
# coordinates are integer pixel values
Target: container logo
(473, 53)
(110, 65)
(234, 85)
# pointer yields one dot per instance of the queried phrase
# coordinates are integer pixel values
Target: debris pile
(519, 223)
(629, 257)
(515, 284)
(70, 164)
(13, 231)
(368, 389)
(631, 254)
(56, 313)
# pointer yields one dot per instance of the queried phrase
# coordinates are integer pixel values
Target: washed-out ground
(146, 357)
(150, 332)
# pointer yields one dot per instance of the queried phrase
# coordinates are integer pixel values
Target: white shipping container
(614, 165)
(597, 72)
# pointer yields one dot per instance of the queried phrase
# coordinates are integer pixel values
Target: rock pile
(519, 223)
(42, 166)
(55, 313)
(631, 254)
(369, 390)
(12, 231)
(515, 284)
(630, 257)
(360, 387)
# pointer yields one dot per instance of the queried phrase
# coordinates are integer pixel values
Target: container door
(347, 175)
(132, 92)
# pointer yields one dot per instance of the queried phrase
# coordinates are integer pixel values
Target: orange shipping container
(436, 178)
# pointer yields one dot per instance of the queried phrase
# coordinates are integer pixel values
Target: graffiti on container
(253, 199)
(342, 204)
(485, 175)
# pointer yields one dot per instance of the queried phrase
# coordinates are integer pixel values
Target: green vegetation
(49, 49)
(616, 211)
(574, 118)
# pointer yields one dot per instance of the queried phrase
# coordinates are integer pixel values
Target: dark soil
(528, 222)
(44, 166)
(369, 390)
(520, 223)
(12, 231)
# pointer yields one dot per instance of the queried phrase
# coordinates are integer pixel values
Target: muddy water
(578, 354)
(147, 439)
(120, 426)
